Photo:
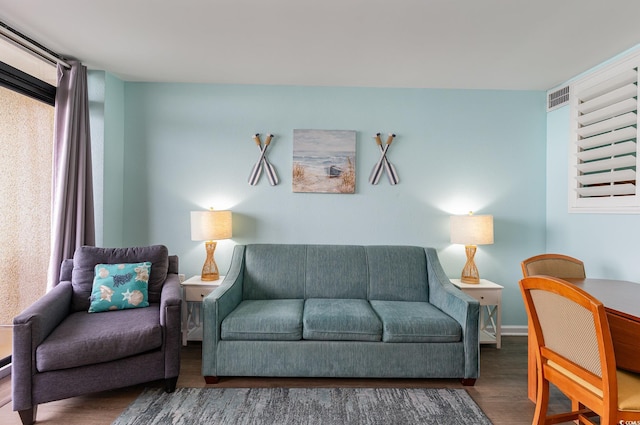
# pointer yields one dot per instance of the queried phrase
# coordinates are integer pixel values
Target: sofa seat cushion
(405, 321)
(266, 320)
(85, 338)
(340, 320)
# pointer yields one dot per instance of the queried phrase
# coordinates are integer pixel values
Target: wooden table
(621, 301)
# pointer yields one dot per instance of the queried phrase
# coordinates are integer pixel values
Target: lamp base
(470, 271)
(210, 268)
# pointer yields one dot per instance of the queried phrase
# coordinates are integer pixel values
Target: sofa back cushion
(86, 258)
(397, 273)
(336, 271)
(274, 271)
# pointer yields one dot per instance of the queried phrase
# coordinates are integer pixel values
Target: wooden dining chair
(557, 265)
(575, 353)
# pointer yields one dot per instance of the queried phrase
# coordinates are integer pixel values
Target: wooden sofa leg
(28, 416)
(170, 384)
(211, 379)
(468, 382)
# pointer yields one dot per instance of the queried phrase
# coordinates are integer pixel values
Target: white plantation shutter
(604, 140)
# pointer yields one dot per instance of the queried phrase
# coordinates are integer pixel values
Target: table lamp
(210, 226)
(471, 230)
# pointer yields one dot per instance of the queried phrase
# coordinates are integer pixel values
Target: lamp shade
(472, 229)
(210, 225)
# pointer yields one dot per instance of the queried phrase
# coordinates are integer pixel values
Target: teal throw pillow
(120, 286)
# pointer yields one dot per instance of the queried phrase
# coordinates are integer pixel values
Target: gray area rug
(296, 406)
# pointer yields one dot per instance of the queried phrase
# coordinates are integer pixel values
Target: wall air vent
(557, 98)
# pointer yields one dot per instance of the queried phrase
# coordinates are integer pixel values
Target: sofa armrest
(462, 307)
(30, 328)
(217, 305)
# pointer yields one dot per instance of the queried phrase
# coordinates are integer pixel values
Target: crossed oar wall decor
(256, 171)
(384, 162)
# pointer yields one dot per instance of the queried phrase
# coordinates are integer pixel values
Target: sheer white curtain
(72, 214)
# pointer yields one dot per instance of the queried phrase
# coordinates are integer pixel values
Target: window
(26, 137)
(604, 134)
(11, 53)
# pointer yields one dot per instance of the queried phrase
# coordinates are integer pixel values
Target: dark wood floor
(501, 390)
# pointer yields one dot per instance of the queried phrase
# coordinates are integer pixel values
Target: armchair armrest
(170, 320)
(216, 306)
(44, 315)
(462, 307)
(30, 328)
(170, 296)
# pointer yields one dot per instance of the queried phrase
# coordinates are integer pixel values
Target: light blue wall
(607, 243)
(189, 146)
(114, 156)
(106, 110)
(96, 88)
(167, 149)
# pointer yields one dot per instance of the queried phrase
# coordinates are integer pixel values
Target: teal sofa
(339, 311)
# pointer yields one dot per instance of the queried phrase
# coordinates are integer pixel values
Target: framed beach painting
(324, 161)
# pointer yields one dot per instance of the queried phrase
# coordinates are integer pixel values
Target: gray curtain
(72, 215)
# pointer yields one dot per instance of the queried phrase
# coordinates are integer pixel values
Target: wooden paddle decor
(376, 172)
(256, 171)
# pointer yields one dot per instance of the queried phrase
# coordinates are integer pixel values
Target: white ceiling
(484, 44)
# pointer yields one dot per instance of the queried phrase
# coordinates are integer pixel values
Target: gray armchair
(61, 350)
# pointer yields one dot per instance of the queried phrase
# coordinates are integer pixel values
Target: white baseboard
(5, 371)
(506, 331)
(514, 331)
(511, 330)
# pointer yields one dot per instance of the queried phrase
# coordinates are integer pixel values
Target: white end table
(489, 294)
(194, 290)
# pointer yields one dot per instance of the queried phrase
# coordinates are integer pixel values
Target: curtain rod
(31, 46)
